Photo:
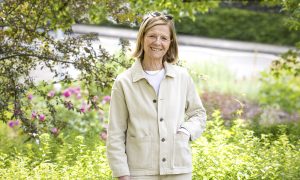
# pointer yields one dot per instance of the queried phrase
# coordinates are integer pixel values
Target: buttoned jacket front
(143, 136)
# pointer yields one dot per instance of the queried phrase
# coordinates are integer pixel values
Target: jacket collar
(138, 72)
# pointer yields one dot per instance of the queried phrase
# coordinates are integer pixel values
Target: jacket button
(161, 119)
(154, 100)
(163, 159)
(163, 139)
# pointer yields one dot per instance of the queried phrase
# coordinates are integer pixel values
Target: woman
(155, 110)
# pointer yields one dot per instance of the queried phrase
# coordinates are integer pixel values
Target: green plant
(239, 24)
(73, 157)
(281, 84)
(29, 41)
(222, 152)
(236, 153)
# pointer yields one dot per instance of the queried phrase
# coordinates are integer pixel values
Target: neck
(152, 65)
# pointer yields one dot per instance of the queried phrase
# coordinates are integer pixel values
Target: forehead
(160, 29)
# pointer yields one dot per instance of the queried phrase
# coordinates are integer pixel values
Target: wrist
(185, 131)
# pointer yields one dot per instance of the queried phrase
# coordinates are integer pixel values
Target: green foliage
(65, 157)
(281, 85)
(221, 153)
(28, 42)
(131, 12)
(291, 7)
(244, 25)
(292, 130)
(235, 153)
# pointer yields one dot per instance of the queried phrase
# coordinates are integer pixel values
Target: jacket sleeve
(195, 113)
(117, 126)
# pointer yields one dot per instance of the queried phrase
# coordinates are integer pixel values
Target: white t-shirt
(154, 78)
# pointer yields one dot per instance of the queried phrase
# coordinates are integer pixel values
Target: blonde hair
(172, 54)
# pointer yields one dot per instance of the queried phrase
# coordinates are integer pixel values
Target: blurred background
(58, 60)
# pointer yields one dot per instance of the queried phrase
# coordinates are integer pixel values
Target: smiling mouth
(155, 49)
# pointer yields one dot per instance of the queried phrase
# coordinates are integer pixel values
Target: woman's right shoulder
(123, 76)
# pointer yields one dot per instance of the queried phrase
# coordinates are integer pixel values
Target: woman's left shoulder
(180, 70)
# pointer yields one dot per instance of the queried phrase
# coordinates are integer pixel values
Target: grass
(217, 77)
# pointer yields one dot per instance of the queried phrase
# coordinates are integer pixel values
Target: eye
(152, 36)
(164, 38)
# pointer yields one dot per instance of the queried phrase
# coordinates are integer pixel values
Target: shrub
(67, 157)
(235, 24)
(221, 153)
(236, 153)
(238, 24)
(280, 86)
(67, 106)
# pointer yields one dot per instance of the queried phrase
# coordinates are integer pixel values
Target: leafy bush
(76, 104)
(291, 129)
(68, 107)
(238, 24)
(221, 153)
(281, 85)
(236, 153)
(75, 158)
(235, 24)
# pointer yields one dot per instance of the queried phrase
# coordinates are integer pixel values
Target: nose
(158, 39)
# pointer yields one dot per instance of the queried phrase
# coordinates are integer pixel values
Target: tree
(26, 44)
(291, 8)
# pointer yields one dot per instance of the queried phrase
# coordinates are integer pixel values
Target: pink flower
(103, 135)
(105, 99)
(54, 130)
(42, 117)
(78, 96)
(51, 93)
(84, 107)
(67, 93)
(75, 90)
(30, 96)
(13, 123)
(33, 115)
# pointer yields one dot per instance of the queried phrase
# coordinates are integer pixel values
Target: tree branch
(37, 56)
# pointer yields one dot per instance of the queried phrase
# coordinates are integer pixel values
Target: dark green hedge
(244, 25)
(236, 24)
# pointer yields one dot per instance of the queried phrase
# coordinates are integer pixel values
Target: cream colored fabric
(142, 131)
(187, 176)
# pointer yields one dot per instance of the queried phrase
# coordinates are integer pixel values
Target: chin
(156, 56)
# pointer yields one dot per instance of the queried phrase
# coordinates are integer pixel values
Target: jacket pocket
(182, 152)
(139, 154)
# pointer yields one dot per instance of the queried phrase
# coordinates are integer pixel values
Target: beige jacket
(142, 131)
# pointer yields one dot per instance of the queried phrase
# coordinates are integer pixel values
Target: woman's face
(157, 42)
